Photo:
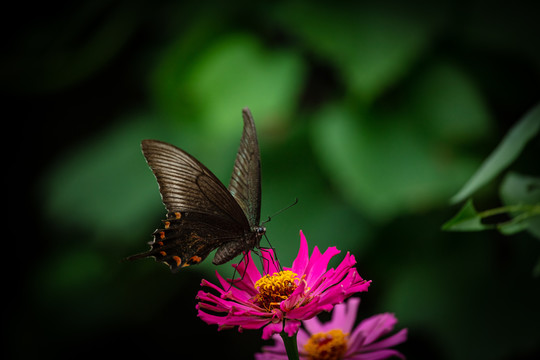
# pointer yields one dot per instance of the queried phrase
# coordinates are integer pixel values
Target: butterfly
(202, 214)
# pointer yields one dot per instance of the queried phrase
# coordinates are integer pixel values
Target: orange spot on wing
(160, 243)
(195, 259)
(177, 215)
(177, 259)
(162, 235)
(167, 224)
(163, 253)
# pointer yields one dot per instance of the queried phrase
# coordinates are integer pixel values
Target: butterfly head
(259, 231)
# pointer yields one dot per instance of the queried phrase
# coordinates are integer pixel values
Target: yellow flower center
(330, 345)
(275, 288)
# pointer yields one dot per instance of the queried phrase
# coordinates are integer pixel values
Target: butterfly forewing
(245, 184)
(186, 184)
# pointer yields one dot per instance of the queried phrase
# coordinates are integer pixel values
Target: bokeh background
(372, 114)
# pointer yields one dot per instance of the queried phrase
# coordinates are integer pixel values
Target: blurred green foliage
(520, 194)
(504, 154)
(372, 114)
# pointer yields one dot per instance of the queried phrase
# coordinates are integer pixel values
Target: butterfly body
(203, 215)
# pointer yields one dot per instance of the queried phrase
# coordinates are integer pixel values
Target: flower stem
(290, 345)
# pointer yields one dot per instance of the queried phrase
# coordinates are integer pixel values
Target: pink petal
(224, 283)
(270, 330)
(344, 266)
(315, 255)
(270, 264)
(210, 285)
(334, 294)
(277, 347)
(210, 307)
(344, 315)
(388, 342)
(320, 284)
(238, 295)
(302, 259)
(313, 325)
(359, 286)
(273, 352)
(309, 310)
(249, 273)
(233, 294)
(271, 356)
(247, 322)
(302, 337)
(377, 326)
(291, 327)
(353, 283)
(320, 265)
(370, 330)
(203, 296)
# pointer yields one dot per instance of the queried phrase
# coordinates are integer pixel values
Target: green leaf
(237, 71)
(467, 219)
(389, 161)
(503, 155)
(382, 164)
(521, 189)
(172, 67)
(207, 79)
(449, 104)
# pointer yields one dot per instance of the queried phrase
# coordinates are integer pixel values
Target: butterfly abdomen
(231, 249)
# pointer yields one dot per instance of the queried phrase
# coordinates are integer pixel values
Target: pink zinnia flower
(336, 339)
(280, 300)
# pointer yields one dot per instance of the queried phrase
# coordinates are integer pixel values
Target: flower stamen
(275, 288)
(330, 345)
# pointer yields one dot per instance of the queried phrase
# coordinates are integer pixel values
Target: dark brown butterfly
(203, 214)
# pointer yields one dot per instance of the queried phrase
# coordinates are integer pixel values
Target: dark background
(372, 114)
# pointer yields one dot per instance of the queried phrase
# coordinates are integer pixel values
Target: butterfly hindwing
(187, 238)
(245, 184)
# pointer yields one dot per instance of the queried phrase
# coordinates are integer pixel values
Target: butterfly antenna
(280, 211)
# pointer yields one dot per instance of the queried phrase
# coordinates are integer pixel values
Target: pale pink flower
(336, 339)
